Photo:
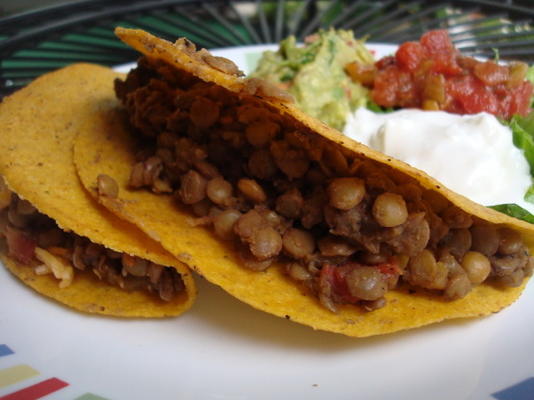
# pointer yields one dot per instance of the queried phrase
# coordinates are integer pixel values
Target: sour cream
(471, 154)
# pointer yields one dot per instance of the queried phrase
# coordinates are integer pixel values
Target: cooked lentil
(106, 186)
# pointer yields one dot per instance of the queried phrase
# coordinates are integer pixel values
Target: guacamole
(315, 73)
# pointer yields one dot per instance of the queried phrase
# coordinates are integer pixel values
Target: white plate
(223, 349)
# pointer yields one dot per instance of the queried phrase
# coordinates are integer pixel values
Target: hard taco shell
(39, 124)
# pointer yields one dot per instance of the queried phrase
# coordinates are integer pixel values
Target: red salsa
(431, 74)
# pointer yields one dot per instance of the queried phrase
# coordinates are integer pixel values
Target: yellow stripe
(9, 376)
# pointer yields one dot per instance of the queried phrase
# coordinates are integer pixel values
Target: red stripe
(36, 391)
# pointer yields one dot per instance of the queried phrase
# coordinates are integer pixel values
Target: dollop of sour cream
(470, 154)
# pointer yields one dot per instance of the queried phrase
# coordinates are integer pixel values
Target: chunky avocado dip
(315, 73)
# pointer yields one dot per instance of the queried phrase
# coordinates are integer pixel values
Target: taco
(55, 237)
(287, 214)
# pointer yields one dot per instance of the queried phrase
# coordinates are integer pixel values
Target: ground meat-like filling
(34, 239)
(347, 228)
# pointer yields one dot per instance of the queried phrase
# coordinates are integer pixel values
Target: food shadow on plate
(222, 312)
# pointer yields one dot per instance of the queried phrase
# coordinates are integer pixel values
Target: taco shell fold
(39, 124)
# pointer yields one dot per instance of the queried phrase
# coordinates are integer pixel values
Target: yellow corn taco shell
(39, 124)
(104, 145)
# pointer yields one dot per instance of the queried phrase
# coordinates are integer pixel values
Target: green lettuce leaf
(513, 210)
(529, 195)
(523, 136)
(372, 106)
(530, 77)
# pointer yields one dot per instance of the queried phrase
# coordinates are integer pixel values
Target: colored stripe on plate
(5, 351)
(36, 391)
(90, 396)
(11, 375)
(523, 390)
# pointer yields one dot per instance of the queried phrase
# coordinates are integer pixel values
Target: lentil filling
(345, 227)
(34, 239)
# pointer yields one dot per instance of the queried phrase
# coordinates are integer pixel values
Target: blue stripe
(5, 351)
(520, 391)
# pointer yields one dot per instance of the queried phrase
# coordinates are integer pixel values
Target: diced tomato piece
(386, 87)
(437, 41)
(20, 246)
(385, 62)
(445, 64)
(335, 276)
(520, 100)
(390, 268)
(473, 96)
(408, 93)
(410, 55)
(460, 87)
